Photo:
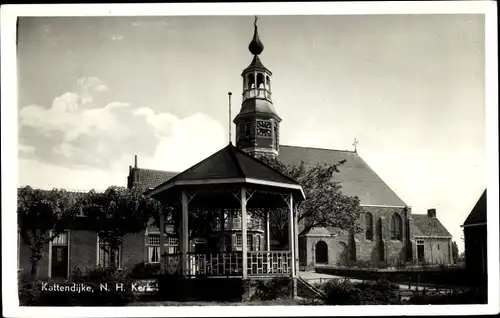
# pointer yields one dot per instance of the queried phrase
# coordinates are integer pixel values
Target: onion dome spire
(256, 47)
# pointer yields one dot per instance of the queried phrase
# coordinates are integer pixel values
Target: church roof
(355, 176)
(230, 163)
(478, 213)
(425, 225)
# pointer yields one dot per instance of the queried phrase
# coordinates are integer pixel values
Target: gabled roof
(149, 178)
(428, 226)
(228, 164)
(478, 213)
(355, 176)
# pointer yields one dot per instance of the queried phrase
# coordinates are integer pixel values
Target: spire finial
(355, 144)
(256, 47)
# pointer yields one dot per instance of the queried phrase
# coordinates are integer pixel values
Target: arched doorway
(321, 253)
(342, 253)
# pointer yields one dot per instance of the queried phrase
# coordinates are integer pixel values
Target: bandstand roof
(230, 165)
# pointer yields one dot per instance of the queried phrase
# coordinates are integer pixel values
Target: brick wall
(133, 248)
(365, 249)
(83, 253)
(82, 250)
(437, 250)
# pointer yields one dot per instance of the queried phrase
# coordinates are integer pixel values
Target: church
(390, 235)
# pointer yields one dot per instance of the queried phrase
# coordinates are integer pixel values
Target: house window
(369, 226)
(107, 256)
(438, 247)
(153, 248)
(239, 240)
(227, 243)
(396, 226)
(250, 242)
(257, 242)
(172, 245)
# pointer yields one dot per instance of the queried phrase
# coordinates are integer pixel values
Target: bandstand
(231, 179)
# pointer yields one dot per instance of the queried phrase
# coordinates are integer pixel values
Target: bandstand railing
(259, 263)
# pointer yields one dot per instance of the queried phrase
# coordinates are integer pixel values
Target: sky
(95, 91)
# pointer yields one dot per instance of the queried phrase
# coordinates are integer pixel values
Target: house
(475, 235)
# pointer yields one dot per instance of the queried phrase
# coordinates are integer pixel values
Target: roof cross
(255, 21)
(355, 145)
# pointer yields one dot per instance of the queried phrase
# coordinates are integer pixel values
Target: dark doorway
(321, 253)
(59, 261)
(420, 253)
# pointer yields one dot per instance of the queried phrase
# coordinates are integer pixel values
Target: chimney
(431, 213)
(135, 161)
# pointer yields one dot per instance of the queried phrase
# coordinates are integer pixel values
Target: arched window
(251, 81)
(369, 226)
(396, 227)
(260, 80)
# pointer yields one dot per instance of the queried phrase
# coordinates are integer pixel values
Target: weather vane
(355, 145)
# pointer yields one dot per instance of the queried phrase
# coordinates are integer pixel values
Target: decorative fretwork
(274, 263)
(231, 263)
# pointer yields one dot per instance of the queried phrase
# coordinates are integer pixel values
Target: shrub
(275, 288)
(343, 292)
(145, 270)
(469, 297)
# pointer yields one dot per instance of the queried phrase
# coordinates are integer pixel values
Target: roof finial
(256, 47)
(355, 145)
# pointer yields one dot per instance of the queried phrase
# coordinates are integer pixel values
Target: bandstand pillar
(244, 231)
(296, 239)
(184, 234)
(268, 233)
(162, 238)
(291, 238)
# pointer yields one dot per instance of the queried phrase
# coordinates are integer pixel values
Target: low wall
(433, 276)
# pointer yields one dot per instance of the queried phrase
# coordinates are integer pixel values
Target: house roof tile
(149, 178)
(428, 226)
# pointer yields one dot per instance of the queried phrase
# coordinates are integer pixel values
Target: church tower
(257, 124)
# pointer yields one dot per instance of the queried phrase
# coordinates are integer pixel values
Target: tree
(42, 216)
(454, 252)
(116, 212)
(325, 204)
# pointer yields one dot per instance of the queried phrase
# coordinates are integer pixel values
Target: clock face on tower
(264, 128)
